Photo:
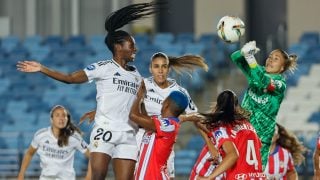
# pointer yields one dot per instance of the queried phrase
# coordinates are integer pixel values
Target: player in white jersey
(285, 152)
(56, 146)
(159, 86)
(113, 136)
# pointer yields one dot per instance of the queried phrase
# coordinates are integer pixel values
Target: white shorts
(170, 164)
(43, 177)
(117, 144)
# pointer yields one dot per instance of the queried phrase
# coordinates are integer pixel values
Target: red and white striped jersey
(203, 166)
(243, 135)
(279, 163)
(156, 148)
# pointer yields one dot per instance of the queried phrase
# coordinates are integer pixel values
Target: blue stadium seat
(163, 39)
(5, 83)
(76, 39)
(310, 38)
(208, 39)
(35, 40)
(53, 41)
(184, 38)
(298, 49)
(196, 143)
(39, 53)
(172, 49)
(184, 161)
(194, 48)
(142, 40)
(10, 42)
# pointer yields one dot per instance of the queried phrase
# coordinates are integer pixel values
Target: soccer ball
(230, 29)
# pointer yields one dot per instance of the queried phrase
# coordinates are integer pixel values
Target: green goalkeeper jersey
(262, 98)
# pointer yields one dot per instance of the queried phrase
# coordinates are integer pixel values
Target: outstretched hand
(193, 117)
(28, 66)
(90, 115)
(249, 49)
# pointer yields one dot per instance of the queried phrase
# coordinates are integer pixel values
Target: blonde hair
(290, 62)
(183, 63)
(289, 141)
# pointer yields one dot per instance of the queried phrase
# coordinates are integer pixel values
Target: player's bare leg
(99, 165)
(123, 168)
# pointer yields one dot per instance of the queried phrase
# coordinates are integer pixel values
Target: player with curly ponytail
(286, 151)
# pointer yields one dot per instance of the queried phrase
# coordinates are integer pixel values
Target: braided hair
(124, 16)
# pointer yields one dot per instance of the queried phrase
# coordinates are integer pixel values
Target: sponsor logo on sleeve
(90, 67)
(166, 126)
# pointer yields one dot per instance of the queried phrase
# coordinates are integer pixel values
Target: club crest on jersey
(166, 126)
(90, 67)
(146, 138)
(218, 134)
(95, 144)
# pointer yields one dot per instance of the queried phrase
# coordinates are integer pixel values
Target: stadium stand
(26, 99)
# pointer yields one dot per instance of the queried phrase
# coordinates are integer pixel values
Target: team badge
(90, 67)
(95, 144)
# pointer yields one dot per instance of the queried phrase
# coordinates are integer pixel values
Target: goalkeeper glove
(248, 51)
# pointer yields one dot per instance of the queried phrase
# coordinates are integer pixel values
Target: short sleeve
(96, 70)
(220, 136)
(164, 126)
(35, 141)
(80, 144)
(191, 108)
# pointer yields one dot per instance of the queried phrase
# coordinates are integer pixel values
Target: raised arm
(33, 66)
(213, 150)
(137, 114)
(90, 115)
(254, 73)
(25, 162)
(228, 161)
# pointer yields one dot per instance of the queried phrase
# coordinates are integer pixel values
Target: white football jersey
(54, 160)
(156, 95)
(116, 91)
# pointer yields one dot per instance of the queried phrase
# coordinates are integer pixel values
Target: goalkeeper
(266, 88)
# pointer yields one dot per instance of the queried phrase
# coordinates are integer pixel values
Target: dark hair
(67, 131)
(124, 16)
(185, 62)
(226, 111)
(289, 141)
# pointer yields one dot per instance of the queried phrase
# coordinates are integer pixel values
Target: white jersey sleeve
(156, 95)
(35, 143)
(80, 144)
(96, 71)
(191, 108)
